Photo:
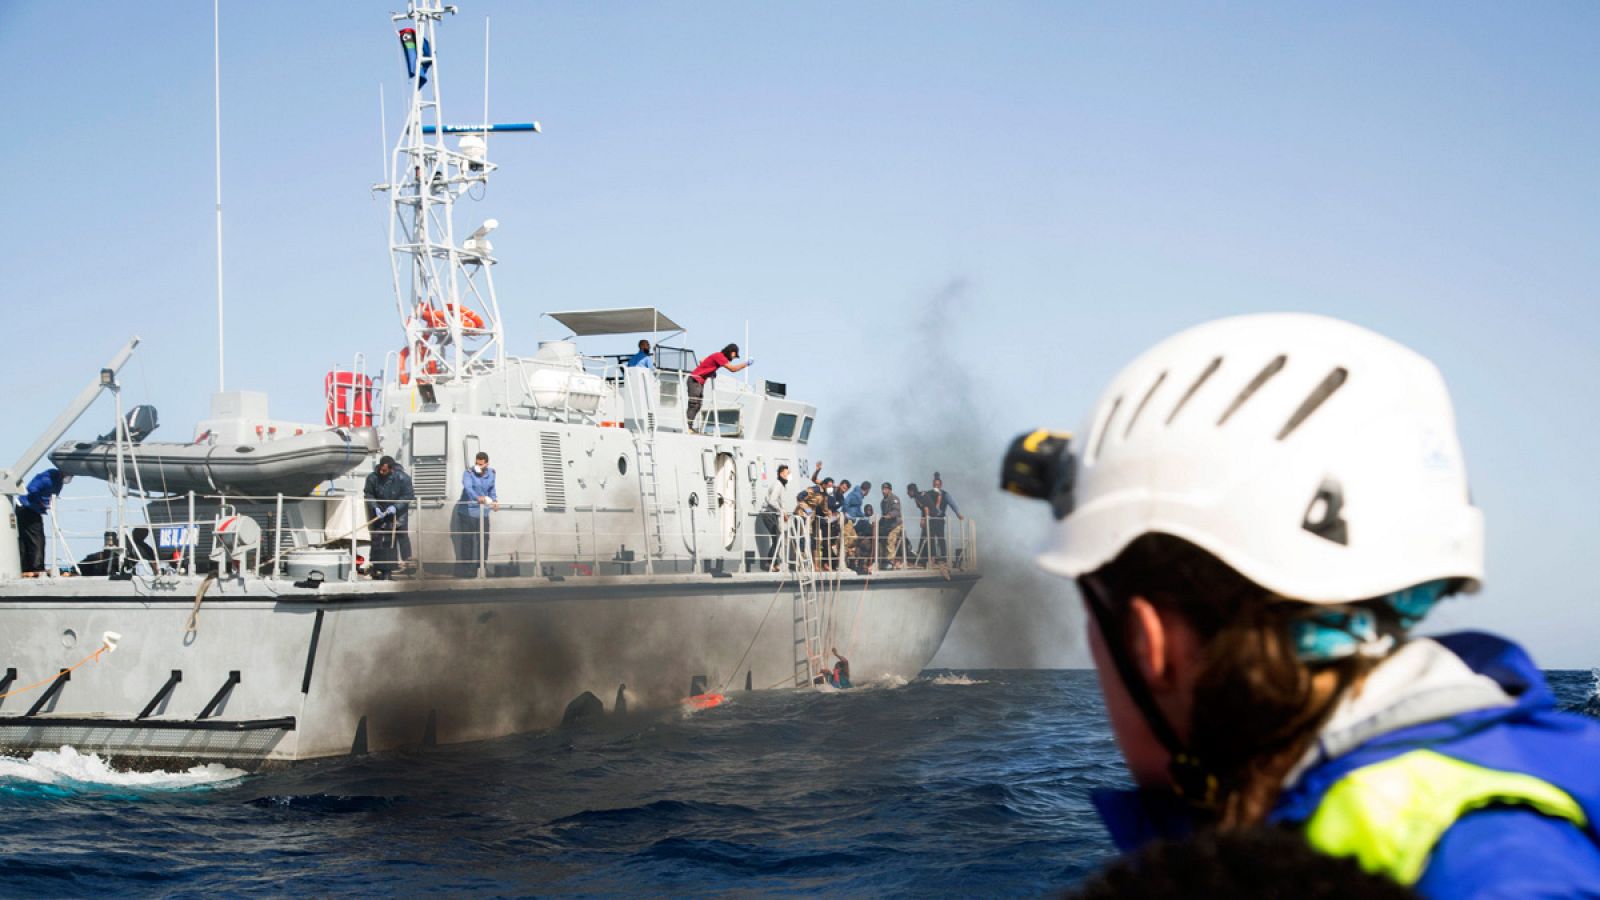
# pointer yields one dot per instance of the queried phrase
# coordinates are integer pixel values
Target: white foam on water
(886, 681)
(68, 766)
(955, 679)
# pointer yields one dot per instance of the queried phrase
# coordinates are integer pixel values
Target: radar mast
(444, 291)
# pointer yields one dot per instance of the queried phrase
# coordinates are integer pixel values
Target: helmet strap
(1191, 779)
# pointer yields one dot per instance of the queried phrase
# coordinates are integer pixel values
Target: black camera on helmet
(1040, 464)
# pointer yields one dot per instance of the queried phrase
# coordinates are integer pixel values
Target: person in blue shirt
(1268, 507)
(853, 501)
(478, 499)
(31, 509)
(641, 360)
(856, 523)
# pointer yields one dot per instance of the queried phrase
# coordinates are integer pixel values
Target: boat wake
(69, 768)
(955, 679)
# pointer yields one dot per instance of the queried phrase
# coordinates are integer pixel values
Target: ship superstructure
(624, 558)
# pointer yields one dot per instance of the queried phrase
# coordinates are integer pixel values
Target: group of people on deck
(846, 531)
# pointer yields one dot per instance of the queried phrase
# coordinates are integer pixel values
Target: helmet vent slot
(1105, 427)
(1262, 377)
(1204, 376)
(1142, 403)
(1314, 400)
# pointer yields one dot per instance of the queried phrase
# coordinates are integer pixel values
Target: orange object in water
(705, 701)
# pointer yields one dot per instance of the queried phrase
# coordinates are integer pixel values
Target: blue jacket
(640, 360)
(852, 505)
(42, 488)
(474, 486)
(1497, 850)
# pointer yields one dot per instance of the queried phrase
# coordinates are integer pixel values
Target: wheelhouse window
(805, 430)
(783, 428)
(725, 422)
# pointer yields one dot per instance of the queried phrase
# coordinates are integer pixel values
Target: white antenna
(383, 136)
(486, 73)
(216, 52)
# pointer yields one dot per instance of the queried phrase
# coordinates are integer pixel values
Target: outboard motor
(140, 421)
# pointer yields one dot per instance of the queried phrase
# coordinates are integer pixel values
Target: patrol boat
(623, 561)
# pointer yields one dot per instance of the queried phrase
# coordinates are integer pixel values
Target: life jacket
(1391, 800)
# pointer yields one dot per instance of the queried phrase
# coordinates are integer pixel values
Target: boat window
(783, 429)
(675, 359)
(725, 422)
(805, 430)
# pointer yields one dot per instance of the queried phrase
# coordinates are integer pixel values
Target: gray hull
(374, 666)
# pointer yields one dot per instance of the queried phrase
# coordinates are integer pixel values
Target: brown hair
(1256, 705)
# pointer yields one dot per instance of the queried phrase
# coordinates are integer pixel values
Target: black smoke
(930, 411)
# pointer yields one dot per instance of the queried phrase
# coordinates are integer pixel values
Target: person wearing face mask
(471, 527)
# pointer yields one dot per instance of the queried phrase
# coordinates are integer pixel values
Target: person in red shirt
(706, 370)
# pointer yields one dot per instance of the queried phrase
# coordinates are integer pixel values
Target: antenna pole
(383, 137)
(486, 75)
(216, 94)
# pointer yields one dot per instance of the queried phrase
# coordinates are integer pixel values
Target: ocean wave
(955, 678)
(68, 767)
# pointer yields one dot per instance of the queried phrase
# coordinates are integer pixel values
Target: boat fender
(584, 706)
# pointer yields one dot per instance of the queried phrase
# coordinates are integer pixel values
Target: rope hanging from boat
(770, 607)
(199, 595)
(108, 644)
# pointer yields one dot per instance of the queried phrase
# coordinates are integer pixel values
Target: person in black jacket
(389, 495)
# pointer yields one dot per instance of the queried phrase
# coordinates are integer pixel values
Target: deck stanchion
(191, 538)
(277, 539)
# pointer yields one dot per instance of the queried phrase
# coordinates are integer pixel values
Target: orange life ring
(437, 318)
(425, 362)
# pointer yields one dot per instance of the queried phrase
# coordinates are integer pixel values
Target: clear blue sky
(1075, 181)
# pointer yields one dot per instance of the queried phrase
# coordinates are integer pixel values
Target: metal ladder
(649, 497)
(796, 547)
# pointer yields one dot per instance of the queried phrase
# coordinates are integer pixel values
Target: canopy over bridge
(629, 320)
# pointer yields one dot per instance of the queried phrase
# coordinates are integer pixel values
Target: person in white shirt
(773, 505)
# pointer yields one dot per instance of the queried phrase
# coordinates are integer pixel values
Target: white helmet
(1316, 458)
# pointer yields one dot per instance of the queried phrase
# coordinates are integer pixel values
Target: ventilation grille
(555, 472)
(1262, 377)
(1317, 397)
(1143, 403)
(430, 477)
(1204, 376)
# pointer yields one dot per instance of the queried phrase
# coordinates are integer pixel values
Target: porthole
(622, 465)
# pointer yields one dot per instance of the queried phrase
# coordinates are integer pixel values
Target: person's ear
(1148, 638)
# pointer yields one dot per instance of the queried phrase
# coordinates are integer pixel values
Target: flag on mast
(408, 46)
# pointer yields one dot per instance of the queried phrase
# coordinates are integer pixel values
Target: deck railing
(340, 537)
